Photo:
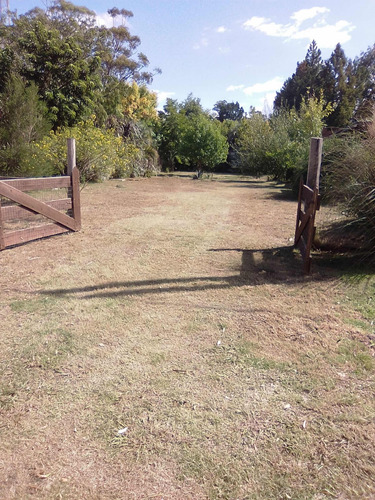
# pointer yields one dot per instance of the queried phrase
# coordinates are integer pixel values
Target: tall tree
(23, 120)
(228, 111)
(306, 80)
(364, 67)
(340, 87)
(72, 60)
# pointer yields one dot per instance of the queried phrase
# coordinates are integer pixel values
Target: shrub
(279, 147)
(100, 153)
(350, 181)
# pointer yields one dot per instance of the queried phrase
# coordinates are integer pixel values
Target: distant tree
(191, 106)
(306, 80)
(364, 68)
(188, 135)
(6, 64)
(228, 111)
(170, 127)
(203, 146)
(340, 87)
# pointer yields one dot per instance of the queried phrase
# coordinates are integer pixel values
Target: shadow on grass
(282, 265)
(258, 267)
(283, 194)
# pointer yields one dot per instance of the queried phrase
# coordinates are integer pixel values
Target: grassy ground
(172, 349)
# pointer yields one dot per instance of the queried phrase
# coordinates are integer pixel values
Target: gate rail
(64, 213)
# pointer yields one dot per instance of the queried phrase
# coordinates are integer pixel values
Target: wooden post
(315, 160)
(2, 242)
(298, 210)
(76, 200)
(74, 192)
(71, 143)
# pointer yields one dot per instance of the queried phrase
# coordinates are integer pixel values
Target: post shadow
(258, 267)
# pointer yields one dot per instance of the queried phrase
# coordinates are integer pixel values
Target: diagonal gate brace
(37, 206)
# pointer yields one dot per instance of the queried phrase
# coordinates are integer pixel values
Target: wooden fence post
(315, 160)
(76, 199)
(71, 143)
(308, 204)
(74, 191)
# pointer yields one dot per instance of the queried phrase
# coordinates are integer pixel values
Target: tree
(340, 87)
(202, 144)
(364, 68)
(23, 120)
(279, 146)
(305, 80)
(169, 133)
(71, 60)
(188, 135)
(228, 111)
(66, 81)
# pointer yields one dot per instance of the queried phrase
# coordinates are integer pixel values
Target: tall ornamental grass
(350, 182)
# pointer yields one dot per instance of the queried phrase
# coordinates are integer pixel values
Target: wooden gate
(21, 205)
(308, 204)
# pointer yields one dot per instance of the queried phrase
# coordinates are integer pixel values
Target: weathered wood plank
(36, 205)
(298, 209)
(315, 160)
(305, 220)
(307, 194)
(34, 184)
(24, 235)
(18, 212)
(76, 198)
(71, 155)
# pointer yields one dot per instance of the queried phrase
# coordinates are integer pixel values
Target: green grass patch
(355, 354)
(48, 349)
(246, 354)
(39, 304)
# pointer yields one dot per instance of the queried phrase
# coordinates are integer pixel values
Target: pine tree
(305, 81)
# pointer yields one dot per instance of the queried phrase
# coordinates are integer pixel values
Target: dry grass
(180, 313)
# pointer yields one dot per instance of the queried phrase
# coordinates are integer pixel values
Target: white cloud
(269, 28)
(202, 43)
(266, 87)
(326, 35)
(162, 97)
(304, 14)
(221, 29)
(233, 88)
(104, 19)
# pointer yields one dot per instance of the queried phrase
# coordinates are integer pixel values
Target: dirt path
(179, 315)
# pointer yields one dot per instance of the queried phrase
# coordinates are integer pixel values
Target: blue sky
(236, 50)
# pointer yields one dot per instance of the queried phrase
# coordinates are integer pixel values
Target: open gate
(20, 205)
(308, 204)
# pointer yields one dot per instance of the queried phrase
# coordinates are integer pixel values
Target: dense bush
(349, 181)
(100, 154)
(279, 146)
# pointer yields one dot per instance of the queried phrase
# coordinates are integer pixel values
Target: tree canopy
(70, 59)
(228, 111)
(347, 85)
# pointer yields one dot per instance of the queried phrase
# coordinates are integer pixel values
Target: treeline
(62, 75)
